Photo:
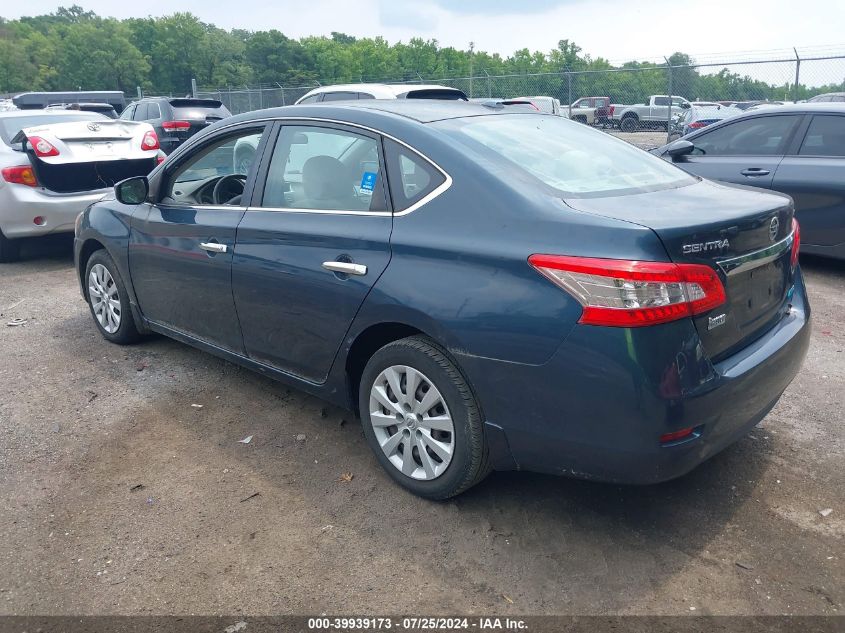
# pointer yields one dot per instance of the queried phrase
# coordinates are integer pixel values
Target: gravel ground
(119, 496)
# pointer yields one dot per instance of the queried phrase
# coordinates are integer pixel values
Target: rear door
(745, 152)
(311, 246)
(180, 250)
(814, 175)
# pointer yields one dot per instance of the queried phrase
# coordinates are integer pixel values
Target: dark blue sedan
(488, 289)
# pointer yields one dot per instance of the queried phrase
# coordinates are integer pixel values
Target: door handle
(214, 247)
(345, 268)
(755, 171)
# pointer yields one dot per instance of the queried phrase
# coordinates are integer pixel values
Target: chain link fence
(742, 80)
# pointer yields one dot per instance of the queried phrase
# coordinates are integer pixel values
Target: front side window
(825, 137)
(573, 159)
(324, 168)
(758, 136)
(216, 174)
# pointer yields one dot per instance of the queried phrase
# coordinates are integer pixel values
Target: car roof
(379, 91)
(801, 108)
(418, 110)
(42, 112)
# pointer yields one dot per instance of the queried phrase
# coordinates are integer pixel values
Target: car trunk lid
(89, 155)
(744, 234)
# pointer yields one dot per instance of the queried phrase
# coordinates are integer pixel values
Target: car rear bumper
(598, 408)
(20, 205)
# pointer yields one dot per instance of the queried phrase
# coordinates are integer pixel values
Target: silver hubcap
(412, 423)
(102, 292)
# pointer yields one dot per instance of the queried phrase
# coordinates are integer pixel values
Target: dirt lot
(118, 496)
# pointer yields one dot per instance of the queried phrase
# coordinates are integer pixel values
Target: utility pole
(471, 49)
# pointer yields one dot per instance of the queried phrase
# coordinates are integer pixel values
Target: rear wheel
(108, 300)
(629, 124)
(9, 249)
(421, 419)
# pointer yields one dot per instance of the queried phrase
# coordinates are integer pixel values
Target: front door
(311, 247)
(180, 250)
(746, 152)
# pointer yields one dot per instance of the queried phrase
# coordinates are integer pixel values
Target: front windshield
(11, 125)
(568, 156)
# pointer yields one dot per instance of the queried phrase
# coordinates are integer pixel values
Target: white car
(54, 163)
(354, 92)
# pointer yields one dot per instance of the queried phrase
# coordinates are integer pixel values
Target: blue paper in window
(368, 181)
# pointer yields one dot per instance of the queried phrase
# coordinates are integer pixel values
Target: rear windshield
(11, 125)
(200, 112)
(437, 93)
(565, 155)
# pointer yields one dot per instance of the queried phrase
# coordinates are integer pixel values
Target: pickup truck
(654, 113)
(590, 110)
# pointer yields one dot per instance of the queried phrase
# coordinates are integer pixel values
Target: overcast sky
(615, 29)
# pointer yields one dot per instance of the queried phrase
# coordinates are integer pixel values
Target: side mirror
(132, 190)
(685, 105)
(678, 149)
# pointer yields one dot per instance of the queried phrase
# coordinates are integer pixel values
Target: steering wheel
(228, 188)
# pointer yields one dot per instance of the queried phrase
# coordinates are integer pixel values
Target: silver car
(54, 163)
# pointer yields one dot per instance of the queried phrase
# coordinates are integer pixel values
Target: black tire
(126, 332)
(10, 250)
(469, 461)
(629, 124)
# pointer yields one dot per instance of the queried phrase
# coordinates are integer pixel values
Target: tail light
(159, 159)
(176, 126)
(150, 141)
(696, 125)
(796, 242)
(630, 293)
(21, 175)
(41, 147)
(610, 110)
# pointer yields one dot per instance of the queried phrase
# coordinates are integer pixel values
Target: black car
(797, 149)
(175, 119)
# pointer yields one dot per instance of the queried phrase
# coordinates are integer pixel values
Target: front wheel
(108, 300)
(421, 419)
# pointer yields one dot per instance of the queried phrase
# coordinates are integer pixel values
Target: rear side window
(340, 96)
(759, 136)
(411, 177)
(153, 111)
(365, 95)
(311, 99)
(825, 137)
(661, 101)
(140, 112)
